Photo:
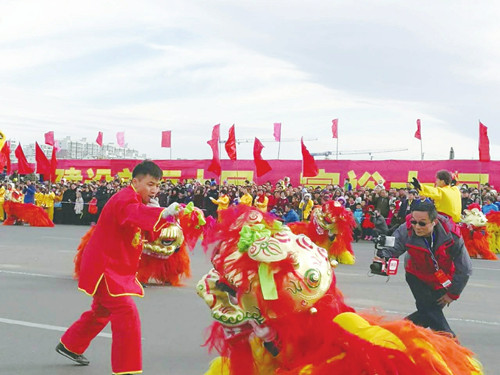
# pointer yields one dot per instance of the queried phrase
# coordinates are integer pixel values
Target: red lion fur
(476, 242)
(27, 212)
(344, 221)
(169, 270)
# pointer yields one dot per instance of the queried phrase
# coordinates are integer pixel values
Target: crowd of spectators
(377, 210)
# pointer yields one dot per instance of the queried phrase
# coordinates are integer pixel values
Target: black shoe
(78, 358)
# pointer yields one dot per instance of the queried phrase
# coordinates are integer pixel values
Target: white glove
(171, 210)
(153, 202)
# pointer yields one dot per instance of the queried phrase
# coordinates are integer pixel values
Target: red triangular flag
(49, 138)
(5, 157)
(166, 139)
(53, 165)
(261, 165)
(230, 145)
(418, 133)
(120, 139)
(277, 131)
(214, 144)
(42, 163)
(484, 143)
(309, 167)
(99, 139)
(23, 166)
(335, 128)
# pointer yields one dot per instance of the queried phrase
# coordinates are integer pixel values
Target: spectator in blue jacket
(29, 192)
(290, 215)
(489, 205)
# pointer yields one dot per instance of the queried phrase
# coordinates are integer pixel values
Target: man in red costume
(108, 269)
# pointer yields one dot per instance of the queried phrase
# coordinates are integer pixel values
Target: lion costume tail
(79, 252)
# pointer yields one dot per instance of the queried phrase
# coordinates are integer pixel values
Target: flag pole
(421, 149)
(279, 146)
(337, 147)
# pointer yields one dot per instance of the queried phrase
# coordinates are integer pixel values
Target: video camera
(382, 265)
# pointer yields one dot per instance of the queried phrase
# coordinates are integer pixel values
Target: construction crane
(249, 140)
(326, 154)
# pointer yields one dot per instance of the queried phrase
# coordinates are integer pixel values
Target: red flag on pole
(418, 133)
(261, 165)
(214, 144)
(277, 131)
(484, 143)
(309, 167)
(49, 138)
(99, 139)
(120, 139)
(43, 166)
(230, 145)
(335, 128)
(53, 165)
(23, 166)
(5, 157)
(166, 139)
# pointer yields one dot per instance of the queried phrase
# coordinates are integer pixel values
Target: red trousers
(126, 354)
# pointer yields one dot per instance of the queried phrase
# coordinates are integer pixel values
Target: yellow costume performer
(447, 198)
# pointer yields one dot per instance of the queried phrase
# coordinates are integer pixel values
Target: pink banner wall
(395, 173)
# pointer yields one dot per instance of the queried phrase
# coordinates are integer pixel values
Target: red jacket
(115, 247)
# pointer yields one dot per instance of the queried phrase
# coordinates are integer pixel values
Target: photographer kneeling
(380, 224)
(437, 264)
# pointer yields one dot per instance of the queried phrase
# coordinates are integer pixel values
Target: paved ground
(38, 299)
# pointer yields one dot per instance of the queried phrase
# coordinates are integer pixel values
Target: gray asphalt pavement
(39, 299)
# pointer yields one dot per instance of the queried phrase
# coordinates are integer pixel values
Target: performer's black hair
(445, 176)
(147, 167)
(426, 207)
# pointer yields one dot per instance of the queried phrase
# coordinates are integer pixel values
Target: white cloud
(143, 67)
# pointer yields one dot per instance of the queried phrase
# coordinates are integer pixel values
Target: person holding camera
(437, 264)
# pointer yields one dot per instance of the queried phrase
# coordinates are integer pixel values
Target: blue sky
(147, 66)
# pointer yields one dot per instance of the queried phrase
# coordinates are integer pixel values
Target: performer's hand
(416, 184)
(171, 210)
(445, 300)
(153, 202)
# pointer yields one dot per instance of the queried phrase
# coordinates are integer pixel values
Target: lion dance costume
(331, 227)
(19, 212)
(476, 234)
(493, 228)
(273, 296)
(165, 259)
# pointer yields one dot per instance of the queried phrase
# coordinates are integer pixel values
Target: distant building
(70, 149)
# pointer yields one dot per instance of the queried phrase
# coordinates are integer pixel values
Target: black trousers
(429, 314)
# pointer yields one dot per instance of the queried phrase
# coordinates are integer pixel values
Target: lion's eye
(313, 278)
(167, 242)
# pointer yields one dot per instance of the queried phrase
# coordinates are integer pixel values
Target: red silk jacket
(115, 247)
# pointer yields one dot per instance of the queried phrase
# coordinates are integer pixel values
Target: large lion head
(260, 271)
